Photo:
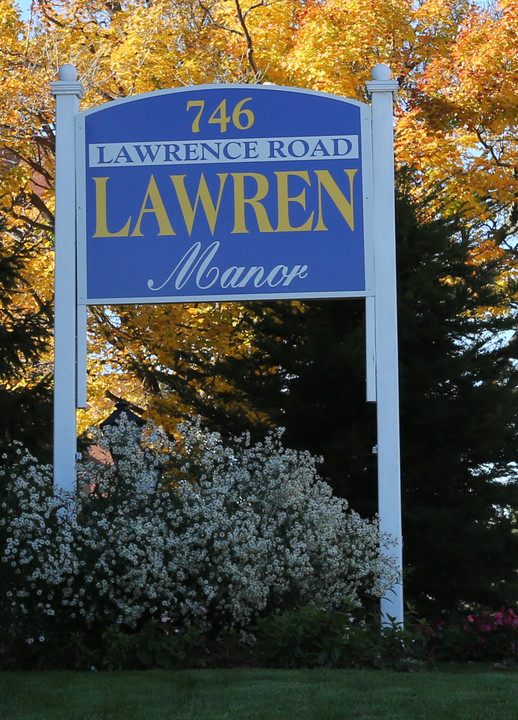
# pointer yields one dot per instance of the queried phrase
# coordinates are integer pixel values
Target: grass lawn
(450, 693)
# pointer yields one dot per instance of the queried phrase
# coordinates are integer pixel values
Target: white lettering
(256, 274)
(207, 258)
(230, 277)
(271, 281)
(299, 271)
(200, 265)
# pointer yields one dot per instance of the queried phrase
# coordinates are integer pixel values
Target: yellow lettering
(240, 201)
(203, 195)
(101, 221)
(157, 208)
(345, 206)
(283, 200)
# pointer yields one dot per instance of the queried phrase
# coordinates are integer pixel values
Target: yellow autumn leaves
(456, 119)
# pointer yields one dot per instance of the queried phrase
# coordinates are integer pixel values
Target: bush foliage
(204, 553)
(198, 535)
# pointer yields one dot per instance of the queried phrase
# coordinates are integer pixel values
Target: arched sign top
(224, 192)
(216, 87)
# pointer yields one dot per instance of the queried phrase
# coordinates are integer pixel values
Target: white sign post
(67, 91)
(381, 90)
(253, 192)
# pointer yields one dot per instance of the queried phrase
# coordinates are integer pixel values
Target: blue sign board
(224, 192)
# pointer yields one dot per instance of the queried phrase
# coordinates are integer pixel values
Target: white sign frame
(381, 305)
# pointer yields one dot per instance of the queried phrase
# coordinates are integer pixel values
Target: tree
(458, 419)
(456, 115)
(458, 407)
(25, 335)
(456, 125)
(456, 118)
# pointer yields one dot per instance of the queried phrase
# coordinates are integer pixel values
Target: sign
(224, 192)
(229, 192)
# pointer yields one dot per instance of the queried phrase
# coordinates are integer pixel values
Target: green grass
(451, 693)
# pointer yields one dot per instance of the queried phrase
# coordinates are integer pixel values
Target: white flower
(232, 530)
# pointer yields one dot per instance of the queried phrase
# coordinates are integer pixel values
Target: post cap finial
(381, 72)
(68, 73)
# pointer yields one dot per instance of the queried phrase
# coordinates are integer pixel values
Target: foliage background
(456, 127)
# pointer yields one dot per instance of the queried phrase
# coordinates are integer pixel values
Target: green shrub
(227, 534)
(317, 637)
(485, 636)
(156, 645)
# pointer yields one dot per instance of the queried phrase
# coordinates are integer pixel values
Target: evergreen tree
(458, 408)
(25, 331)
(458, 418)
(307, 374)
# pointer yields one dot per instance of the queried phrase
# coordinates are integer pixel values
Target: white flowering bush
(37, 552)
(197, 533)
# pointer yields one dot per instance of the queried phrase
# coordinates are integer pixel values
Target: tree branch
(249, 45)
